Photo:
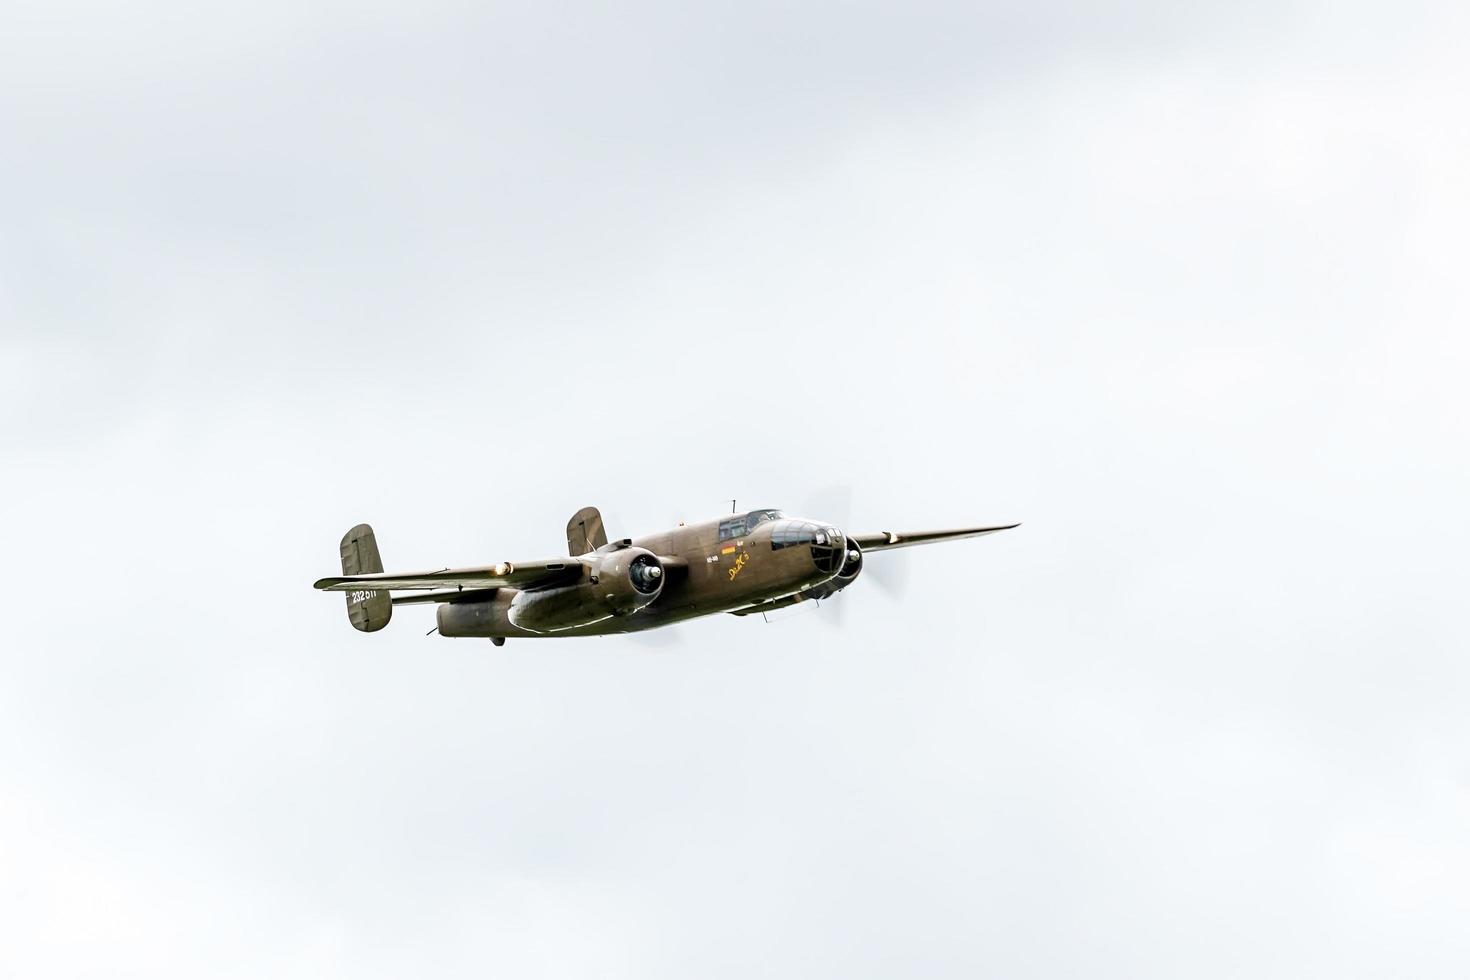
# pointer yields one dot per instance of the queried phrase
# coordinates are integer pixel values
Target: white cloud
(1179, 289)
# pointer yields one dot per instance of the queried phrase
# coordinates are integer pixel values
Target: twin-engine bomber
(741, 564)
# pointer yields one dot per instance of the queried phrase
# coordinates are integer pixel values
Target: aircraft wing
(506, 575)
(887, 540)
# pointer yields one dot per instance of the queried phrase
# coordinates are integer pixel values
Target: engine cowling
(852, 567)
(614, 583)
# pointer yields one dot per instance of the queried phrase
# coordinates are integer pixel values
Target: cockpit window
(742, 524)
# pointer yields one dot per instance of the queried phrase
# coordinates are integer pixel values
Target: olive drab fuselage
(755, 559)
(742, 564)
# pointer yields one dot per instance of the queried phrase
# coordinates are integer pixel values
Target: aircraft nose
(831, 537)
(829, 550)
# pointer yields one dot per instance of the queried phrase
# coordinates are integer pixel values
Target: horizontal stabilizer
(447, 595)
(520, 575)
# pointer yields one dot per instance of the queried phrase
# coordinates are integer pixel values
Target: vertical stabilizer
(368, 609)
(584, 532)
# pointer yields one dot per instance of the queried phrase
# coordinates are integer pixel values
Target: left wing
(887, 540)
(506, 575)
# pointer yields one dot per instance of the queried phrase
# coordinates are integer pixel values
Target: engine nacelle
(852, 567)
(614, 583)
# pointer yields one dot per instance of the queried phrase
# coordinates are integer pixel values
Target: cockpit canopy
(742, 524)
(789, 533)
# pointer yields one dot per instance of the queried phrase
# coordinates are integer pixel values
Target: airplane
(745, 564)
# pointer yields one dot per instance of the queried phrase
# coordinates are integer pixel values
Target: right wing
(886, 540)
(507, 575)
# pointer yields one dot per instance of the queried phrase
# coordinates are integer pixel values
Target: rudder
(367, 609)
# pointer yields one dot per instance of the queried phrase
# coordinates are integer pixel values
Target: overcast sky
(1180, 285)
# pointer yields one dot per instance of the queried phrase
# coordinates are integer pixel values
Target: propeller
(647, 574)
(889, 570)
